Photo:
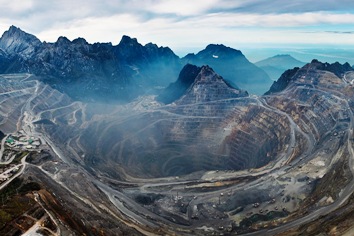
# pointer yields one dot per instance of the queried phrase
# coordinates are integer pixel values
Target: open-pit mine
(215, 161)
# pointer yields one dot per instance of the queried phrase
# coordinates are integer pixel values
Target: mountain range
(276, 65)
(118, 72)
(185, 151)
(91, 70)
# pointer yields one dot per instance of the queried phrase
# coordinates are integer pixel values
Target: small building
(36, 143)
(23, 139)
(10, 141)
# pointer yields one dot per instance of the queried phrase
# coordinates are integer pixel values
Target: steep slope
(233, 66)
(275, 66)
(208, 86)
(193, 86)
(283, 81)
(4, 61)
(17, 41)
(175, 90)
(302, 75)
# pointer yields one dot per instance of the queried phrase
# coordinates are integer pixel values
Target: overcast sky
(186, 25)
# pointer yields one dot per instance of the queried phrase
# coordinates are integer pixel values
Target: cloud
(183, 23)
(286, 6)
(285, 20)
(16, 6)
(94, 29)
(182, 7)
(340, 32)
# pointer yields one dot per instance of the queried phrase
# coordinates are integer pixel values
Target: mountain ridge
(303, 75)
(233, 66)
(93, 70)
(124, 71)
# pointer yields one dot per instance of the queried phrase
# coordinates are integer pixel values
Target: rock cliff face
(233, 66)
(16, 41)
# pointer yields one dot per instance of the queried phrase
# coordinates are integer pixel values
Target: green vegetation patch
(18, 157)
(4, 217)
(14, 203)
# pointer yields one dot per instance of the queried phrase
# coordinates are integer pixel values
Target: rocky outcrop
(175, 90)
(208, 86)
(17, 41)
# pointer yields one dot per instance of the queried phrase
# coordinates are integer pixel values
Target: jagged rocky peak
(310, 73)
(155, 50)
(336, 68)
(15, 41)
(207, 74)
(80, 41)
(209, 86)
(63, 41)
(128, 41)
(130, 49)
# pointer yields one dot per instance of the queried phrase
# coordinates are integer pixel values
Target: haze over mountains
(233, 66)
(275, 66)
(118, 72)
(183, 149)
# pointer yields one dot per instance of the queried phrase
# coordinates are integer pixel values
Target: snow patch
(215, 56)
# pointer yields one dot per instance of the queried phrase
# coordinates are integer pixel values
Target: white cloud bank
(184, 23)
